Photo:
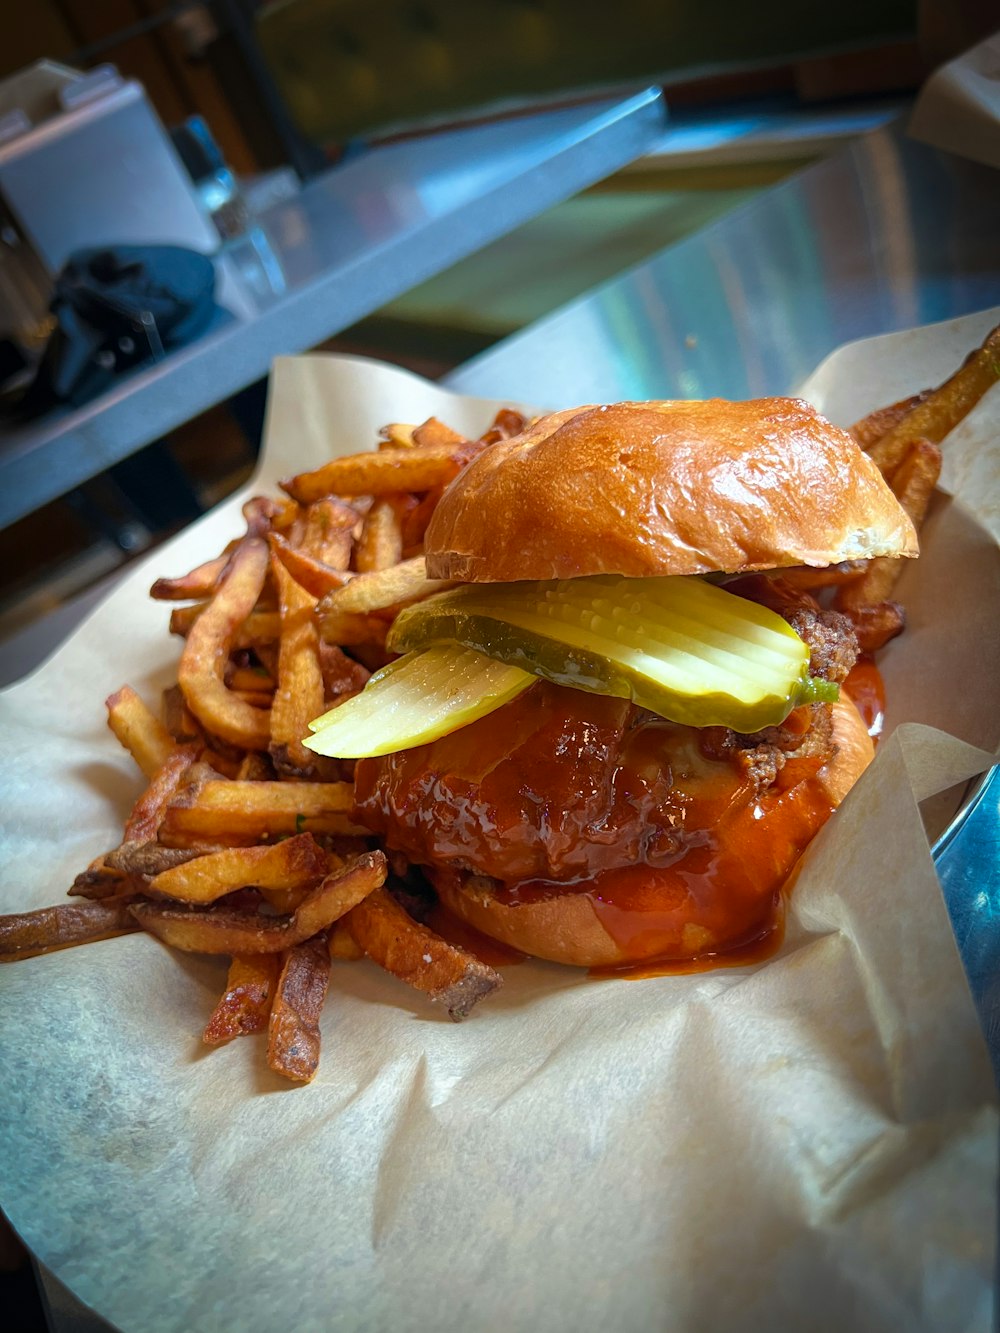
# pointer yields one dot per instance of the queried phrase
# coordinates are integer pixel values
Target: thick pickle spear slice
(422, 696)
(681, 647)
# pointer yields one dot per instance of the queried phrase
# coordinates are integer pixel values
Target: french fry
(255, 767)
(245, 1004)
(139, 730)
(145, 815)
(433, 434)
(293, 1037)
(249, 812)
(414, 954)
(377, 473)
(352, 629)
(380, 545)
(209, 643)
(384, 588)
(316, 577)
(870, 429)
(341, 674)
(300, 694)
(343, 945)
(260, 627)
(200, 582)
(25, 934)
(830, 576)
(330, 529)
(913, 485)
(875, 625)
(282, 865)
(941, 411)
(397, 435)
(99, 880)
(144, 860)
(222, 931)
(250, 679)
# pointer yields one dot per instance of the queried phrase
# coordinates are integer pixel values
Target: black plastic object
(115, 308)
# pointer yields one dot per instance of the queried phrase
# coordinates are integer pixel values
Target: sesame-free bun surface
(666, 488)
(566, 928)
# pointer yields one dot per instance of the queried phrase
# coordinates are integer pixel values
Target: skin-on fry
(300, 694)
(281, 865)
(227, 932)
(432, 434)
(831, 576)
(99, 880)
(353, 629)
(293, 1036)
(876, 625)
(380, 545)
(341, 674)
(245, 1004)
(144, 817)
(870, 429)
(402, 583)
(224, 810)
(259, 627)
(25, 934)
(377, 473)
(209, 642)
(309, 573)
(414, 954)
(913, 485)
(200, 582)
(343, 945)
(139, 730)
(941, 411)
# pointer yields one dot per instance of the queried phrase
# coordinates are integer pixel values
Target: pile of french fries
(242, 844)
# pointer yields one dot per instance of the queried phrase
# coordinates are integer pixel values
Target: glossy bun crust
(666, 488)
(566, 928)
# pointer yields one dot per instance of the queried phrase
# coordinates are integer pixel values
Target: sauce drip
(562, 791)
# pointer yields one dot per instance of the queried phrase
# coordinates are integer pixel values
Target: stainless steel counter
(350, 241)
(885, 235)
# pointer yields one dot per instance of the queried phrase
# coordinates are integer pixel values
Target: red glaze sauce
(562, 791)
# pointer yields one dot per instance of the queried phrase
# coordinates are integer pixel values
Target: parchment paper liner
(811, 1144)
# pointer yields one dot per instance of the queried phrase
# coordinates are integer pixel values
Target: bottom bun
(572, 926)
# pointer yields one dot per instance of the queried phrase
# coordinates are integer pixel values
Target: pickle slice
(416, 699)
(681, 647)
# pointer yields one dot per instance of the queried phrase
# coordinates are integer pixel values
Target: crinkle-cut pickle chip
(415, 700)
(681, 647)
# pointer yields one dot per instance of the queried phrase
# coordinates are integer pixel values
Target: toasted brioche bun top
(666, 488)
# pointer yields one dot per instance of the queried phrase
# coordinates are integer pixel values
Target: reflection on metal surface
(883, 236)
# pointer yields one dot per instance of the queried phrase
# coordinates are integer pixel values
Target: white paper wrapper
(810, 1144)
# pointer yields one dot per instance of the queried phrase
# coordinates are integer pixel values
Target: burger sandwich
(610, 737)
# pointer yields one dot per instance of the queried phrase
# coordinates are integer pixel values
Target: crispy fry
(875, 625)
(397, 435)
(434, 434)
(309, 573)
(380, 545)
(330, 528)
(341, 674)
(99, 880)
(222, 931)
(144, 817)
(25, 934)
(245, 1004)
(829, 576)
(248, 812)
(250, 679)
(352, 629)
(913, 485)
(343, 945)
(870, 429)
(300, 694)
(293, 1036)
(255, 767)
(178, 718)
(281, 865)
(200, 582)
(140, 731)
(403, 583)
(146, 859)
(209, 643)
(941, 411)
(260, 627)
(377, 473)
(414, 954)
